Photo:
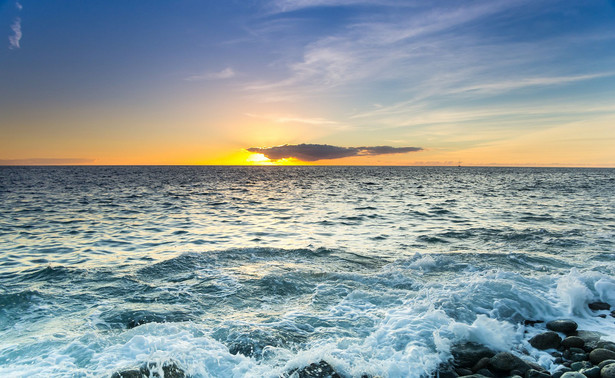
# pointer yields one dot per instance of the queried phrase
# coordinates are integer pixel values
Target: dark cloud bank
(314, 152)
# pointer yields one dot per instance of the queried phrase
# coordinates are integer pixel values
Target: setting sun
(259, 159)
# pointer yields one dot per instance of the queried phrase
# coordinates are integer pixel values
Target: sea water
(254, 271)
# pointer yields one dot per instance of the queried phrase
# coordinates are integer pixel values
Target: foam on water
(362, 331)
(252, 273)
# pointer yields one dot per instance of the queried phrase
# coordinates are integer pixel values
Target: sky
(366, 82)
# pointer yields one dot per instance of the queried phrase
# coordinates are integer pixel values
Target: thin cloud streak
(293, 119)
(504, 86)
(15, 39)
(398, 116)
(315, 152)
(309, 121)
(226, 73)
(282, 6)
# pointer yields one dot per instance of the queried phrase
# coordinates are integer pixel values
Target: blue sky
(485, 82)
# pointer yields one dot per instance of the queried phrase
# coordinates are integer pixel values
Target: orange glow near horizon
(259, 159)
(244, 157)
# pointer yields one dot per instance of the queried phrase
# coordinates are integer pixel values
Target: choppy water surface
(253, 271)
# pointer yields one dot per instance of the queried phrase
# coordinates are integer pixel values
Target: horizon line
(310, 165)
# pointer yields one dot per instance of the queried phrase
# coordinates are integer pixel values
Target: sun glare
(259, 159)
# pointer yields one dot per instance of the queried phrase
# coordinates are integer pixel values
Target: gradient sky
(198, 82)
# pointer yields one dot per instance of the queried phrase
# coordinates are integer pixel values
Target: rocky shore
(577, 354)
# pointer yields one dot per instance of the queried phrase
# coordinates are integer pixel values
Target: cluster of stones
(473, 360)
(580, 354)
(170, 369)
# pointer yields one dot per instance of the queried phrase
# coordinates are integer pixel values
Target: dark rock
(566, 326)
(608, 371)
(546, 340)
(576, 366)
(606, 345)
(577, 357)
(573, 342)
(516, 372)
(447, 374)
(474, 376)
(598, 306)
(446, 371)
(532, 373)
(481, 364)
(316, 370)
(245, 349)
(576, 350)
(591, 339)
(532, 322)
(573, 374)
(567, 354)
(605, 362)
(463, 371)
(558, 360)
(603, 316)
(505, 361)
(593, 372)
(486, 373)
(468, 354)
(600, 354)
(169, 370)
(136, 322)
(134, 319)
(535, 366)
(131, 373)
(556, 354)
(613, 313)
(559, 372)
(567, 363)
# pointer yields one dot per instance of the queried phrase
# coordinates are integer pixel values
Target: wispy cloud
(315, 152)
(507, 85)
(293, 5)
(294, 119)
(14, 40)
(423, 52)
(369, 50)
(226, 73)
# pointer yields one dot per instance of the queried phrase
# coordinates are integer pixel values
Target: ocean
(256, 271)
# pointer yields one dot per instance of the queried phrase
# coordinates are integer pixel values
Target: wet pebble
(572, 342)
(546, 340)
(608, 371)
(598, 306)
(566, 326)
(600, 354)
